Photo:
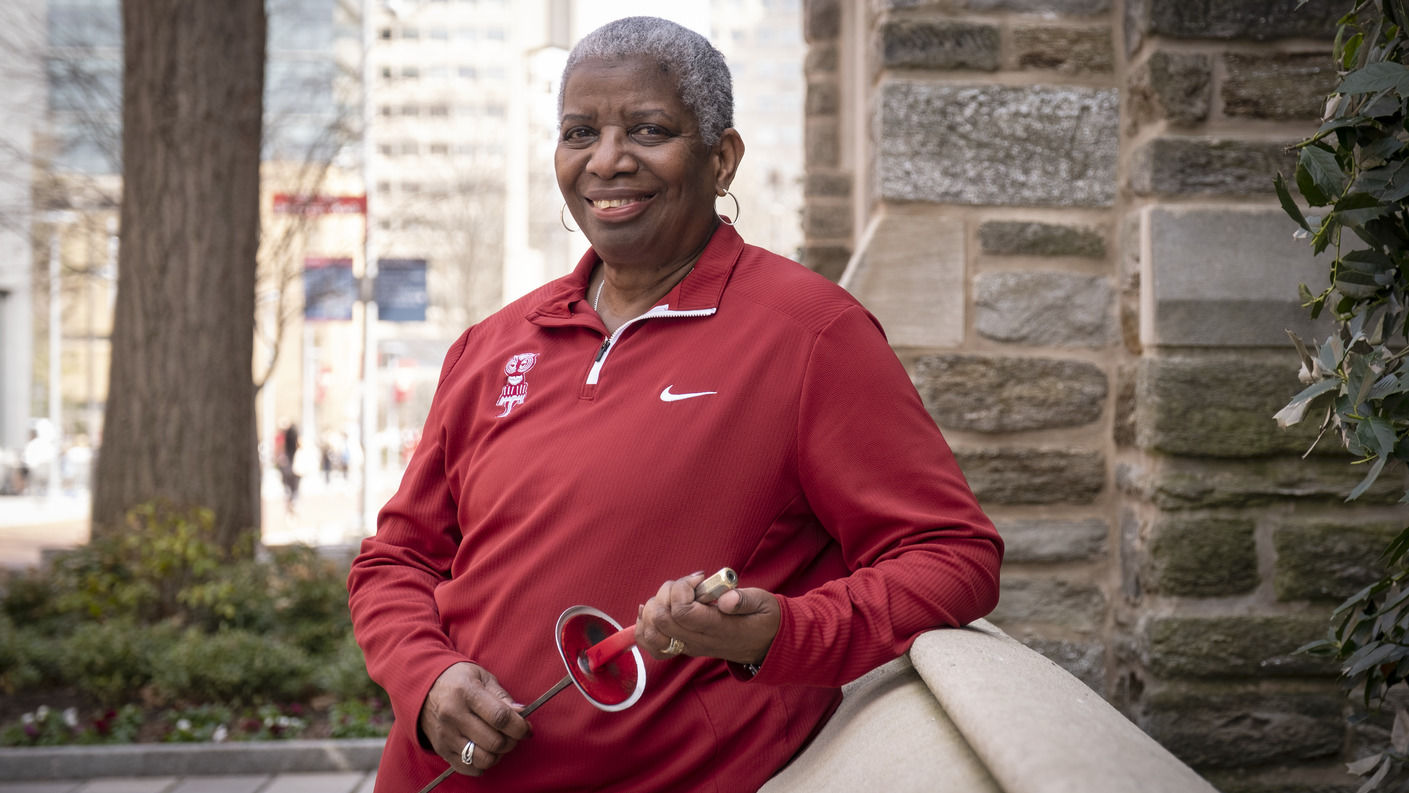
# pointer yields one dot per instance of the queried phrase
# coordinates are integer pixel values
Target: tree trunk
(180, 422)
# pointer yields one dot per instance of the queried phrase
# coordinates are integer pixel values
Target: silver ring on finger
(675, 647)
(467, 755)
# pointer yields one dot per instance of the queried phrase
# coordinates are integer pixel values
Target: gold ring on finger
(675, 647)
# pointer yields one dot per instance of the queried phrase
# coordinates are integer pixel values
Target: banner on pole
(401, 290)
(291, 204)
(329, 290)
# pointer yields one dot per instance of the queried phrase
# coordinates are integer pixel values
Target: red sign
(287, 204)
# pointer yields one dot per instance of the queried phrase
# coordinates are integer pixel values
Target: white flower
(220, 734)
(71, 717)
(183, 724)
(41, 713)
(27, 719)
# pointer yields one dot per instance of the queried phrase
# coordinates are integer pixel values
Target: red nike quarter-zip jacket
(757, 419)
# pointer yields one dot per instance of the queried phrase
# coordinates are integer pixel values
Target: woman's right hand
(466, 703)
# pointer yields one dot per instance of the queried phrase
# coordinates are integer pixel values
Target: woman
(681, 401)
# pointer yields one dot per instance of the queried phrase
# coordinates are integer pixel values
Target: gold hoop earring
(725, 219)
(563, 219)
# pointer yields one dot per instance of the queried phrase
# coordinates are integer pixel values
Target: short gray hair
(706, 88)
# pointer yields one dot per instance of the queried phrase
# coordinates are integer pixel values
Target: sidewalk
(326, 514)
(281, 783)
(325, 766)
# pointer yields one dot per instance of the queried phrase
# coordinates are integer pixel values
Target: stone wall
(1062, 212)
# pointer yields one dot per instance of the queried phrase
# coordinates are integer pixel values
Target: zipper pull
(606, 343)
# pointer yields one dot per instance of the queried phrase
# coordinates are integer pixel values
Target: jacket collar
(565, 300)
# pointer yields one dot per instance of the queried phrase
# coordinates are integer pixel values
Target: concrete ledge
(973, 710)
(1035, 727)
(190, 759)
(888, 734)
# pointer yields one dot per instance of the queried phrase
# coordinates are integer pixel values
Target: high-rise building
(762, 42)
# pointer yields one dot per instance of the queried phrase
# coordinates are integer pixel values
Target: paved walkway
(352, 782)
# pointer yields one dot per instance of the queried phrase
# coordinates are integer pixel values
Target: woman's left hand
(738, 627)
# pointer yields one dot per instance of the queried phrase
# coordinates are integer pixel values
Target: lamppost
(57, 219)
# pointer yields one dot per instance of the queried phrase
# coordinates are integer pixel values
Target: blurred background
(450, 195)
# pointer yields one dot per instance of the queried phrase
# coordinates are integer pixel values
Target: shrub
(160, 616)
(343, 674)
(109, 661)
(232, 666)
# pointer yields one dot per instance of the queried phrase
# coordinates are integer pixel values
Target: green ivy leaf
(1357, 209)
(1380, 150)
(1324, 170)
(1288, 205)
(1306, 183)
(1369, 479)
(1375, 77)
(1372, 655)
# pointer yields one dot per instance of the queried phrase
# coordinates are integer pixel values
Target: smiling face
(632, 168)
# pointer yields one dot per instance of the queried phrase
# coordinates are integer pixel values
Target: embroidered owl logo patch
(515, 389)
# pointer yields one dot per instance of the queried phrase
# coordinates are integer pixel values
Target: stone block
(1329, 561)
(821, 19)
(1128, 273)
(823, 98)
(1003, 394)
(1033, 238)
(826, 219)
(1123, 429)
(1054, 540)
(1131, 554)
(1034, 475)
(1234, 726)
(1066, 7)
(828, 260)
(821, 59)
(1253, 646)
(1177, 86)
(822, 143)
(939, 45)
(1259, 20)
(1208, 167)
(994, 145)
(1278, 85)
(1182, 483)
(1325, 776)
(1200, 556)
(1085, 50)
(1218, 405)
(827, 184)
(1086, 661)
(1050, 601)
(1045, 309)
(1224, 277)
(909, 276)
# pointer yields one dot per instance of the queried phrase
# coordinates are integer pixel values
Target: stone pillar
(1062, 212)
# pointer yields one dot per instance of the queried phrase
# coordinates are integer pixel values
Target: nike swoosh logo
(667, 396)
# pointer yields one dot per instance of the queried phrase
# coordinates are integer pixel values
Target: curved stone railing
(973, 710)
